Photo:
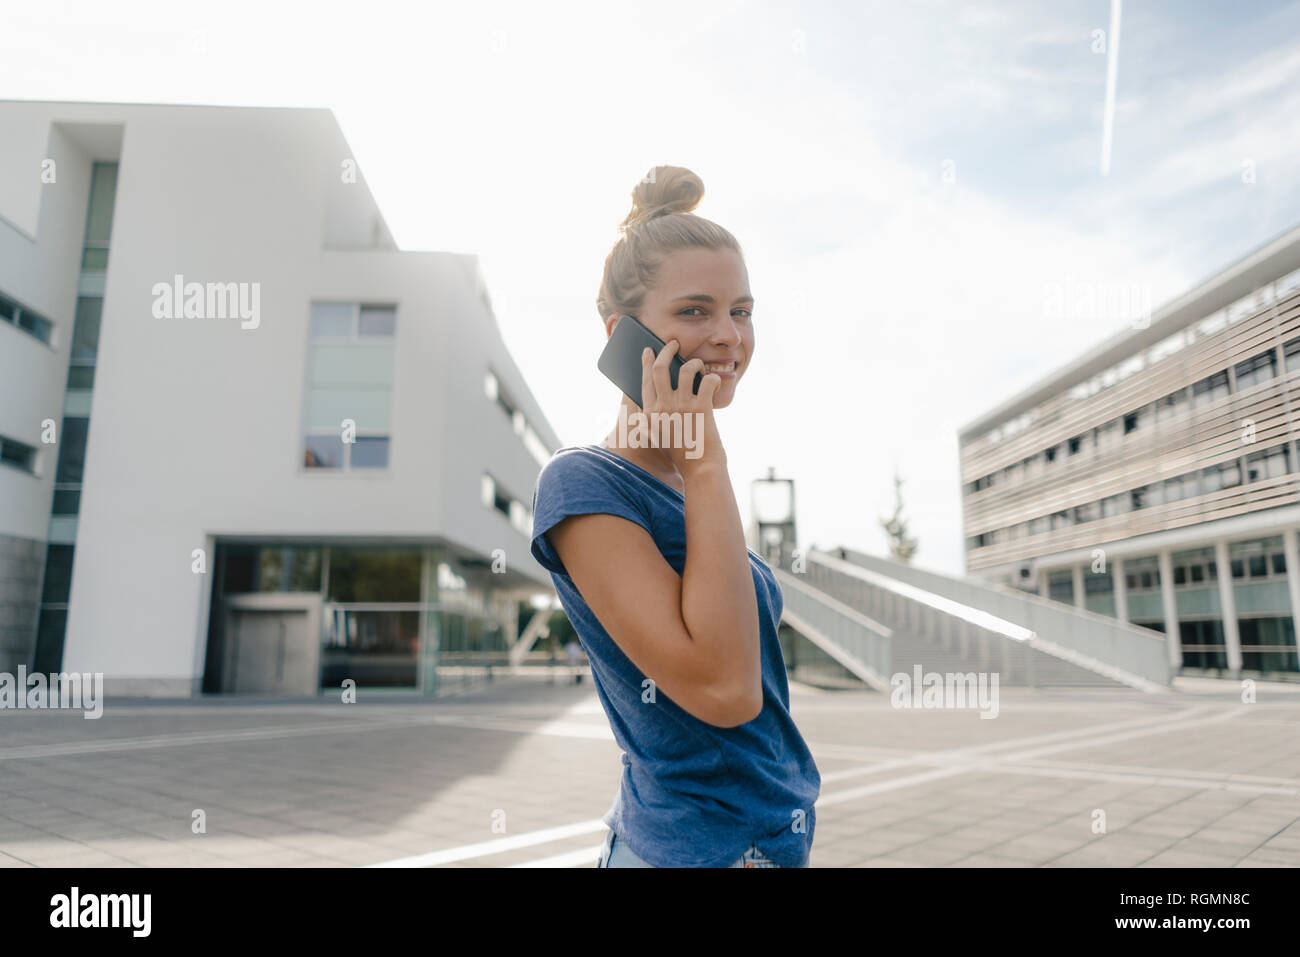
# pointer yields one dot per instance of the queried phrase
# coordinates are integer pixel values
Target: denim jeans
(615, 853)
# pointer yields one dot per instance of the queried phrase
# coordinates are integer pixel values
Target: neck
(652, 459)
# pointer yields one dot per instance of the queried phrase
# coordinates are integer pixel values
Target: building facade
(1156, 478)
(246, 444)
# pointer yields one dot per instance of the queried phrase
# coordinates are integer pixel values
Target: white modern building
(246, 444)
(1156, 479)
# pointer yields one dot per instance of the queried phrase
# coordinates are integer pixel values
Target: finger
(710, 384)
(686, 374)
(648, 391)
(663, 384)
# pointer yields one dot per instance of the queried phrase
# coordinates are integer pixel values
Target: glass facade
(1260, 592)
(74, 429)
(1060, 586)
(1264, 622)
(350, 362)
(408, 617)
(1099, 591)
(1142, 592)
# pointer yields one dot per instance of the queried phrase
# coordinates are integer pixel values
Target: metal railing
(934, 623)
(1137, 656)
(859, 643)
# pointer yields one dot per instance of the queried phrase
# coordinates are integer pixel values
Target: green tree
(901, 546)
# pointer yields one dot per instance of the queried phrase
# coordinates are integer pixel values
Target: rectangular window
(255, 568)
(1172, 404)
(1210, 389)
(375, 574)
(1181, 486)
(323, 452)
(1292, 354)
(1142, 574)
(332, 320)
(1135, 420)
(99, 220)
(25, 319)
(1195, 567)
(1115, 505)
(377, 321)
(1270, 463)
(370, 452)
(66, 501)
(72, 450)
(81, 377)
(1256, 369)
(86, 330)
(351, 354)
(58, 575)
(1097, 583)
(17, 454)
(1217, 477)
(1060, 586)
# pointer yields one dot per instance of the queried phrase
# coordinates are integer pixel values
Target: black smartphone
(621, 359)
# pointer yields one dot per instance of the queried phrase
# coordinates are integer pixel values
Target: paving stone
(285, 800)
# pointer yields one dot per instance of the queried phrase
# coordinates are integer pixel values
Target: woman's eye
(747, 313)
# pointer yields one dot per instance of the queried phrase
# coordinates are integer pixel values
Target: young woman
(647, 552)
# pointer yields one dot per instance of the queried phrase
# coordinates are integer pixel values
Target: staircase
(878, 619)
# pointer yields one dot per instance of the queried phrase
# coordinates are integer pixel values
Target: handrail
(981, 619)
(1134, 656)
(847, 611)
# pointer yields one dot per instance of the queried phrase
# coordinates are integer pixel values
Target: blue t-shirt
(692, 794)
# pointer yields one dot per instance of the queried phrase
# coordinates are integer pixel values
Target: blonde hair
(659, 223)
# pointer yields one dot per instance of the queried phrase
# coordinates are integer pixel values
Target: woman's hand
(698, 432)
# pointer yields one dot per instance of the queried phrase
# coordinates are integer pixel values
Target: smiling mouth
(720, 366)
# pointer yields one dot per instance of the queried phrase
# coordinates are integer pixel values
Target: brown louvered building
(1157, 478)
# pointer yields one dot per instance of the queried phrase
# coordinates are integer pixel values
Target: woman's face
(702, 300)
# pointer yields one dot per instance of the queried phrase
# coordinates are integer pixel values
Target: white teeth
(720, 366)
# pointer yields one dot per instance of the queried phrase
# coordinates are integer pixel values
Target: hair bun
(663, 191)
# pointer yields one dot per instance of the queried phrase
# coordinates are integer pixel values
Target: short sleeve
(579, 483)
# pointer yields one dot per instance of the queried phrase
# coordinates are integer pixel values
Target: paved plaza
(518, 772)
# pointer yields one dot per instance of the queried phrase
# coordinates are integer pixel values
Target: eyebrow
(705, 297)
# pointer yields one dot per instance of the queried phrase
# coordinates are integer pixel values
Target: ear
(610, 321)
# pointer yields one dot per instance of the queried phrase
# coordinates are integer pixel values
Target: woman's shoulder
(579, 466)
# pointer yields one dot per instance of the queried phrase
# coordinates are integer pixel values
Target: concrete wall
(196, 424)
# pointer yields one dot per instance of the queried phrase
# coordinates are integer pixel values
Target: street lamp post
(772, 501)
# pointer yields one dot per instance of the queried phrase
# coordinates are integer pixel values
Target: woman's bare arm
(695, 635)
(711, 669)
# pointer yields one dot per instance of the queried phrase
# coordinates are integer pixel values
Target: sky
(911, 184)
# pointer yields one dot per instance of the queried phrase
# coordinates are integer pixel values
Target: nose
(725, 332)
